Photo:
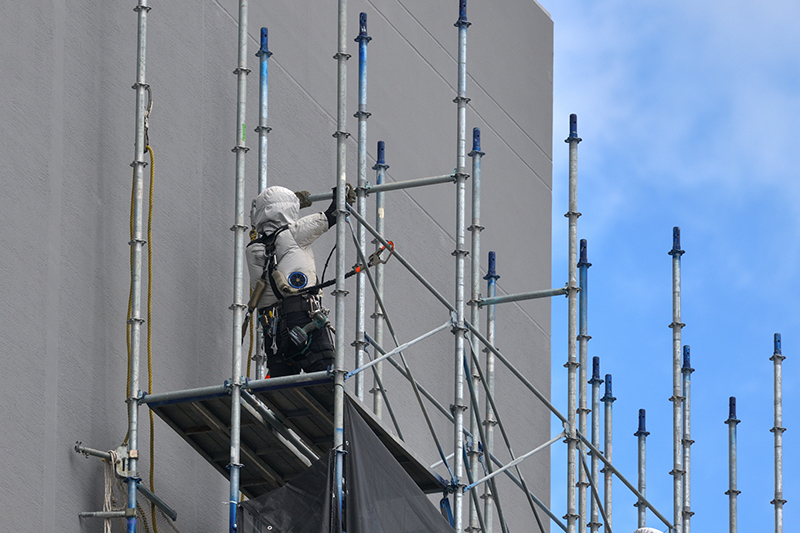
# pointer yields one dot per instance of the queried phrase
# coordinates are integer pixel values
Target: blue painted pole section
(642, 434)
(608, 475)
(583, 358)
(361, 203)
(491, 278)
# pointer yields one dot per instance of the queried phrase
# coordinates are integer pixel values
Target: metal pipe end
(642, 432)
(687, 365)
(573, 129)
(381, 153)
(777, 343)
(362, 29)
(676, 242)
(731, 410)
(462, 14)
(491, 274)
(596, 369)
(583, 261)
(264, 49)
(476, 139)
(380, 162)
(609, 396)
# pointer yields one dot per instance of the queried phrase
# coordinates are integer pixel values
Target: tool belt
(279, 319)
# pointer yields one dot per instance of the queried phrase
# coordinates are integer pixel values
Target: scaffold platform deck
(283, 430)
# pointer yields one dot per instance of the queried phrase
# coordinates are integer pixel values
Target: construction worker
(297, 334)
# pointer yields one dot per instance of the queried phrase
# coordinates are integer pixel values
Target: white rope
(109, 499)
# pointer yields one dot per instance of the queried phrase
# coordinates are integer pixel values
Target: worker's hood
(273, 208)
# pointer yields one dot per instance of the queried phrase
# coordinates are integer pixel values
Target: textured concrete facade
(68, 119)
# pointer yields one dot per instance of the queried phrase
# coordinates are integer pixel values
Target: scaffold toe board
(283, 430)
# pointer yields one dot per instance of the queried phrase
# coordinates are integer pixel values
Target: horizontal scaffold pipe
(286, 382)
(515, 462)
(546, 293)
(625, 482)
(106, 514)
(163, 398)
(169, 511)
(393, 186)
(399, 349)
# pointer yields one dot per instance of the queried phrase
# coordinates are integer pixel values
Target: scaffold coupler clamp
(375, 257)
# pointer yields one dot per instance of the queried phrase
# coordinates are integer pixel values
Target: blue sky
(688, 112)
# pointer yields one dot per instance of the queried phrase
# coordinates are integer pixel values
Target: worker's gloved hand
(303, 197)
(350, 194)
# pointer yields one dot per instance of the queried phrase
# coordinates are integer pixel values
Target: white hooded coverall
(274, 208)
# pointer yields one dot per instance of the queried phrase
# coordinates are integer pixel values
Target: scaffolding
(279, 426)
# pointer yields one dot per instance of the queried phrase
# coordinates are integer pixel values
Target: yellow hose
(149, 319)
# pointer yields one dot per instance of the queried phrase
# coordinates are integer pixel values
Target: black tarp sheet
(380, 496)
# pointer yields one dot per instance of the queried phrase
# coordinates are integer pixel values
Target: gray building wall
(68, 123)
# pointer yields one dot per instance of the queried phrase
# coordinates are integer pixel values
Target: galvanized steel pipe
(391, 186)
(239, 229)
(777, 430)
(642, 434)
(534, 295)
(460, 253)
(361, 202)
(583, 358)
(378, 318)
(596, 381)
(491, 278)
(137, 243)
(608, 430)
(572, 325)
(262, 129)
(676, 399)
(732, 491)
(686, 371)
(474, 313)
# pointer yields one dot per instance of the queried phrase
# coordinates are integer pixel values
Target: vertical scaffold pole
(596, 382)
(362, 115)
(136, 243)
(491, 278)
(583, 358)
(239, 228)
(676, 399)
(460, 252)
(572, 326)
(380, 226)
(340, 292)
(262, 129)
(687, 441)
(642, 434)
(732, 491)
(777, 430)
(474, 312)
(608, 430)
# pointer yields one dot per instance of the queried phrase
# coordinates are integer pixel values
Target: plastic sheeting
(380, 497)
